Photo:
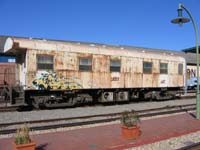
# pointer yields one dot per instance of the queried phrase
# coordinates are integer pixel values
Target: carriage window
(115, 65)
(180, 69)
(163, 68)
(44, 62)
(85, 64)
(147, 67)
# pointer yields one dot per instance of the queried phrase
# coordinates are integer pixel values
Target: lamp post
(180, 20)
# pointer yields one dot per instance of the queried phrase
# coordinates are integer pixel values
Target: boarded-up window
(180, 69)
(163, 68)
(147, 67)
(44, 62)
(85, 64)
(115, 65)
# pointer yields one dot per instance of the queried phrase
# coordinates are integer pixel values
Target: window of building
(115, 65)
(180, 69)
(85, 64)
(147, 67)
(163, 68)
(44, 62)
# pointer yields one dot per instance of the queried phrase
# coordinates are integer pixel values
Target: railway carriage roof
(190, 57)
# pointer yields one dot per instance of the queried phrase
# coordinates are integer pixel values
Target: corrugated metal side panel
(101, 80)
(174, 78)
(66, 66)
(100, 63)
(147, 80)
(86, 78)
(64, 61)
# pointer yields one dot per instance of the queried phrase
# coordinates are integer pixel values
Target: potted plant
(130, 128)
(23, 140)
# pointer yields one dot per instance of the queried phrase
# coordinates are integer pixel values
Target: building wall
(191, 71)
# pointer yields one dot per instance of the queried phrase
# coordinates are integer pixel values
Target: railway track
(9, 109)
(195, 146)
(38, 125)
(28, 108)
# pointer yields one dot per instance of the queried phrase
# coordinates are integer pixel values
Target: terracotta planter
(130, 132)
(29, 146)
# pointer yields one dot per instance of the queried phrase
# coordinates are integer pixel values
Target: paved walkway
(109, 137)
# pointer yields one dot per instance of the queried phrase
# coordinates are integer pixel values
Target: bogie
(81, 97)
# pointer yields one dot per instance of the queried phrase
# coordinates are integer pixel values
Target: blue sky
(142, 23)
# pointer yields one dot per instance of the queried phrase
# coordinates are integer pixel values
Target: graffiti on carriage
(191, 72)
(49, 80)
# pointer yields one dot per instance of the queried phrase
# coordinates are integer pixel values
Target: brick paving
(109, 136)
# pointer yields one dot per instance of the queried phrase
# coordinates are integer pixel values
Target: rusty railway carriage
(65, 73)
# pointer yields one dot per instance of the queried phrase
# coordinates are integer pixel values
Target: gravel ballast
(9, 117)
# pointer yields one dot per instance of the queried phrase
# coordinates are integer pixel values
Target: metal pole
(197, 61)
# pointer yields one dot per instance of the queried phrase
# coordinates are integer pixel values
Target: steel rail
(28, 108)
(116, 116)
(93, 116)
(194, 146)
(9, 109)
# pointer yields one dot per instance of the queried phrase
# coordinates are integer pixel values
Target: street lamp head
(180, 20)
